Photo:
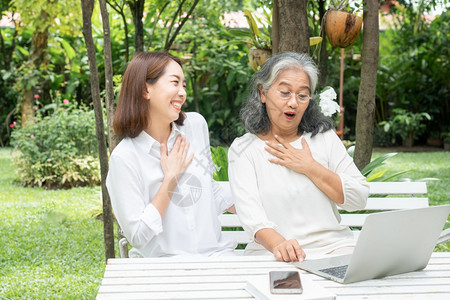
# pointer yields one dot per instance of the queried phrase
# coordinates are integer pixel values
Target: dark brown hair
(131, 116)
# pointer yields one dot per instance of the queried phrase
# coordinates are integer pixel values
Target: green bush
(382, 138)
(413, 67)
(58, 149)
(405, 123)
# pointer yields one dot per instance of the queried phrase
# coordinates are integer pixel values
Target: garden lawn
(52, 248)
(432, 167)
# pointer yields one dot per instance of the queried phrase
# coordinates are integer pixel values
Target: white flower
(327, 105)
(328, 93)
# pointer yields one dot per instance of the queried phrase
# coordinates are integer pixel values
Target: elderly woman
(290, 173)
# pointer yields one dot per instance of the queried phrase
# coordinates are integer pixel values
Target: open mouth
(290, 115)
(177, 105)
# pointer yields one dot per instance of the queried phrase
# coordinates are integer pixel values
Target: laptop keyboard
(338, 272)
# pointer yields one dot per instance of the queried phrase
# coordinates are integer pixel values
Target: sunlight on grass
(432, 167)
(50, 245)
(424, 166)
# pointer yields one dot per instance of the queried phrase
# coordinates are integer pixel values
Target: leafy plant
(338, 5)
(405, 123)
(378, 162)
(343, 5)
(380, 175)
(446, 136)
(220, 158)
(381, 138)
(413, 71)
(260, 38)
(255, 37)
(58, 149)
(217, 74)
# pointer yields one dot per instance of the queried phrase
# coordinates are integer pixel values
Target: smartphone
(285, 282)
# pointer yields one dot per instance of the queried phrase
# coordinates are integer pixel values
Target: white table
(225, 278)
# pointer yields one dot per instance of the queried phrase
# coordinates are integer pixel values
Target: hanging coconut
(342, 28)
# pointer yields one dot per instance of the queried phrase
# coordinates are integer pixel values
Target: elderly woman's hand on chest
(298, 160)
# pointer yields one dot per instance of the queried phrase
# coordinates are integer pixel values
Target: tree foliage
(415, 68)
(45, 18)
(419, 53)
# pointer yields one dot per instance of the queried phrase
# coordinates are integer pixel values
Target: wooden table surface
(226, 277)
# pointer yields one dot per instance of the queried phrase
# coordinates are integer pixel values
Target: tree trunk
(87, 7)
(323, 60)
(109, 84)
(155, 24)
(27, 107)
(113, 139)
(170, 41)
(39, 44)
(275, 27)
(294, 29)
(137, 10)
(119, 8)
(367, 88)
(127, 44)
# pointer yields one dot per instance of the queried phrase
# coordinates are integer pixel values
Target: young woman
(160, 175)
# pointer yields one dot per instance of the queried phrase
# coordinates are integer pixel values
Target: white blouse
(268, 195)
(191, 224)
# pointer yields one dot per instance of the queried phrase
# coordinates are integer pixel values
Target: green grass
(421, 166)
(52, 248)
(432, 167)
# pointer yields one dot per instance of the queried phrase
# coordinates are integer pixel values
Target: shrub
(406, 124)
(382, 138)
(413, 72)
(58, 149)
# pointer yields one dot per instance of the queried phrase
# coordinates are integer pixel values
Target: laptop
(390, 243)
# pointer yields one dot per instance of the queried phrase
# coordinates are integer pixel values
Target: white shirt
(268, 195)
(190, 224)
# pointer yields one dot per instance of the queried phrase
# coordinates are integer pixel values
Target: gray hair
(254, 114)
